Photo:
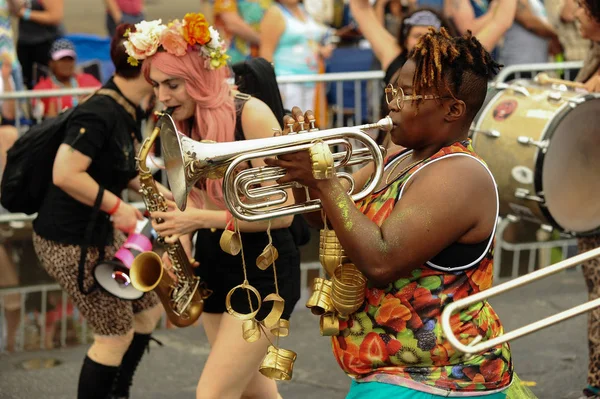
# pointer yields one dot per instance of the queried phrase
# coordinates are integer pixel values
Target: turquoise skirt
(380, 390)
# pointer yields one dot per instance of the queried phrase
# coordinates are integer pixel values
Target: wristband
(114, 208)
(27, 14)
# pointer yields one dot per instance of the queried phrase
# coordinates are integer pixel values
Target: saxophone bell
(148, 274)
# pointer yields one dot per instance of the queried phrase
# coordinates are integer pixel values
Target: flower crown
(177, 38)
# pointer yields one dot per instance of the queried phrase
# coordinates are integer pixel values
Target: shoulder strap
(120, 100)
(87, 240)
(240, 100)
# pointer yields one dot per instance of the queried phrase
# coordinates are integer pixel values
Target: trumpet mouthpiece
(385, 124)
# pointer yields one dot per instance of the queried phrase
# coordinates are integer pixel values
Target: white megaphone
(113, 275)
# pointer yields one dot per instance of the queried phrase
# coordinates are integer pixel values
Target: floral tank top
(396, 337)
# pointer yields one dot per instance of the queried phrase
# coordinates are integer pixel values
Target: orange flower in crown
(177, 38)
(195, 30)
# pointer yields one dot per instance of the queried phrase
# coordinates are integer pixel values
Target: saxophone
(183, 298)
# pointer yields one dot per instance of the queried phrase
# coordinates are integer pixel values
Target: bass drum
(542, 145)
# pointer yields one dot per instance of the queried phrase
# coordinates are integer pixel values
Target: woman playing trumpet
(423, 238)
(185, 62)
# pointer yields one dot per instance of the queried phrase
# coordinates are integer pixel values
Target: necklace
(406, 169)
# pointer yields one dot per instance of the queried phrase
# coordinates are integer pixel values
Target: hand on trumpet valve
(297, 121)
(298, 166)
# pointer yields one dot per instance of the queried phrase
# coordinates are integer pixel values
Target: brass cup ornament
(348, 289)
(250, 330)
(278, 364)
(320, 300)
(243, 316)
(329, 325)
(267, 257)
(322, 161)
(282, 329)
(331, 253)
(230, 242)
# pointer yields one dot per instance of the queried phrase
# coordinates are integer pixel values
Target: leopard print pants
(104, 313)
(591, 272)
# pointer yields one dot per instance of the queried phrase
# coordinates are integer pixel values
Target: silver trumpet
(476, 346)
(188, 161)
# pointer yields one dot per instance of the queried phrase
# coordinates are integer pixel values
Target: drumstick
(543, 78)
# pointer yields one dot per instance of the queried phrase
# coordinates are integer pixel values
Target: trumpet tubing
(188, 161)
(476, 346)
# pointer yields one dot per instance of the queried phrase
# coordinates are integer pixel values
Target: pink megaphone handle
(125, 256)
(138, 242)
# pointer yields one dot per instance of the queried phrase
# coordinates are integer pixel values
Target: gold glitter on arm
(341, 201)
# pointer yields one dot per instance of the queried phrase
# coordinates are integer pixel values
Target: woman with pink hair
(184, 62)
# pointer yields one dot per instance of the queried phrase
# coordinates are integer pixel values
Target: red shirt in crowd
(47, 83)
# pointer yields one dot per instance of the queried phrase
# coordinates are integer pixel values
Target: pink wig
(215, 115)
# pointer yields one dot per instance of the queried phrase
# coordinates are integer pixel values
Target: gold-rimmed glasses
(397, 93)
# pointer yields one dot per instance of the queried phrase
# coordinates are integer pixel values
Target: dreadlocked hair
(458, 65)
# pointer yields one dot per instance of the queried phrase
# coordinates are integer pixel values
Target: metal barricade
(569, 68)
(539, 254)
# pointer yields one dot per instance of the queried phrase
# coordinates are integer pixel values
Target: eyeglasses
(392, 93)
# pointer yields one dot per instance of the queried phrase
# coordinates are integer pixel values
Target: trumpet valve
(290, 127)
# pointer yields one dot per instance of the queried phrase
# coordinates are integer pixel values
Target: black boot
(95, 380)
(131, 359)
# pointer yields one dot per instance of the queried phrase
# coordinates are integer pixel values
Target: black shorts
(221, 271)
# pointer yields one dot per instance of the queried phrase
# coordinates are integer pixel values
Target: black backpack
(29, 162)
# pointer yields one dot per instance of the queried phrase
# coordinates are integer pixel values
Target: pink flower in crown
(145, 40)
(172, 39)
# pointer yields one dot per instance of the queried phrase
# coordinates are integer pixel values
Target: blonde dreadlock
(443, 61)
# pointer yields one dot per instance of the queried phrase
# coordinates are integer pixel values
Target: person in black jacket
(83, 214)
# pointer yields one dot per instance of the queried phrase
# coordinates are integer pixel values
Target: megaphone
(113, 275)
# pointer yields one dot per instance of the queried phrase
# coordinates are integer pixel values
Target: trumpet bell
(173, 158)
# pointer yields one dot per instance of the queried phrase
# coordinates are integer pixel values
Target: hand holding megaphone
(113, 275)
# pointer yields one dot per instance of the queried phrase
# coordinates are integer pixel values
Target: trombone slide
(476, 346)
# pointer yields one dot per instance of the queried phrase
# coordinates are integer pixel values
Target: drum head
(571, 169)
